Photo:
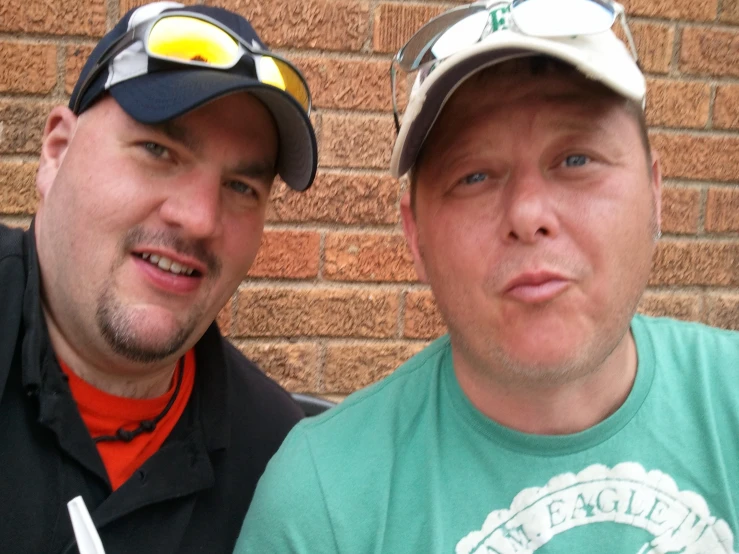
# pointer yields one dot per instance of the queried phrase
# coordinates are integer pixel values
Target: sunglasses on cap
(197, 40)
(463, 27)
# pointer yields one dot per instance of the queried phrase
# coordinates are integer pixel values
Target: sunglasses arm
(396, 117)
(621, 14)
(115, 48)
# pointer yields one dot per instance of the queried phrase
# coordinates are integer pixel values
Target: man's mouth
(166, 264)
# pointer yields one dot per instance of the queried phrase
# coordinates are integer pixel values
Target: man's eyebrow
(590, 126)
(179, 133)
(587, 110)
(262, 170)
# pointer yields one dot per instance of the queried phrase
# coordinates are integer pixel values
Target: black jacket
(191, 496)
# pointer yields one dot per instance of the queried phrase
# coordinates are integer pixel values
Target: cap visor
(158, 97)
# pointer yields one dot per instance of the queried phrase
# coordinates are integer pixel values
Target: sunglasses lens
(182, 38)
(189, 39)
(275, 72)
(562, 18)
(459, 36)
(417, 51)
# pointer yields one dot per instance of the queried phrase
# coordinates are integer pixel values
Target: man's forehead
(186, 129)
(519, 79)
(556, 101)
(506, 94)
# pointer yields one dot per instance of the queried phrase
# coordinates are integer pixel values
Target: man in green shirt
(551, 419)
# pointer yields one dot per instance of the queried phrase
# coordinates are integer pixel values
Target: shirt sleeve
(288, 513)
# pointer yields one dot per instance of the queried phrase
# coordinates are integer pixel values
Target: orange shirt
(104, 414)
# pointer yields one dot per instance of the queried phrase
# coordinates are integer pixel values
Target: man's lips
(536, 286)
(171, 262)
(165, 280)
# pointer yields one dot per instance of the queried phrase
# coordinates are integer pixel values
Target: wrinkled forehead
(530, 76)
(519, 84)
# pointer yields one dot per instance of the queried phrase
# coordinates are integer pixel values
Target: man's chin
(148, 350)
(141, 338)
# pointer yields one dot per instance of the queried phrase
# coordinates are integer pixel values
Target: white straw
(88, 540)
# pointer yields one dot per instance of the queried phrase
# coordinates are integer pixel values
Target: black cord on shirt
(148, 425)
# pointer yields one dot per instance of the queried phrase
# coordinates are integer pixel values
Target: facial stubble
(511, 372)
(119, 324)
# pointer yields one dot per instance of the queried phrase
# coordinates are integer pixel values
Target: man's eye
(473, 178)
(576, 160)
(156, 150)
(242, 188)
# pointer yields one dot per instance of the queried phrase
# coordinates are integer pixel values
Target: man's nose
(529, 211)
(195, 205)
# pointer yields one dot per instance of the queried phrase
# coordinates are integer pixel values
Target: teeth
(166, 264)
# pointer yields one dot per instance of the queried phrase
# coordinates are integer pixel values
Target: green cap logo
(499, 18)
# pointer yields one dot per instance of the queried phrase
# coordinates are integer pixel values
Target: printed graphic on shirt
(677, 521)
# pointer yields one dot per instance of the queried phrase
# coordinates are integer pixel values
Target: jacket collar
(211, 382)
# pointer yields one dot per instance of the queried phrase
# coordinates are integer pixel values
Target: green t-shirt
(410, 466)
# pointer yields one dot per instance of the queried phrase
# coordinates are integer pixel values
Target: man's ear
(58, 133)
(657, 187)
(411, 235)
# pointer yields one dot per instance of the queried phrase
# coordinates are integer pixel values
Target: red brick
(128, 4)
(705, 10)
(667, 304)
(677, 104)
(22, 126)
(680, 209)
(422, 317)
(293, 365)
(322, 24)
(275, 312)
(18, 188)
(287, 255)
(696, 263)
(706, 51)
(722, 210)
(396, 23)
(654, 44)
(730, 11)
(722, 310)
(356, 141)
(404, 84)
(367, 257)
(339, 198)
(26, 67)
(726, 107)
(57, 17)
(710, 158)
(348, 84)
(350, 367)
(225, 318)
(76, 56)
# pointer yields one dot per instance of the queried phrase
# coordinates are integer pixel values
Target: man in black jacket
(115, 384)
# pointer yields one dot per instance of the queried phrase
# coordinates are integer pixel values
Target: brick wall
(331, 303)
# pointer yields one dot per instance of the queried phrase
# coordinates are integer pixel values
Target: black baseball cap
(153, 91)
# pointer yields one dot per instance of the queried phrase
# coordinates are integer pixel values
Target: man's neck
(114, 375)
(560, 409)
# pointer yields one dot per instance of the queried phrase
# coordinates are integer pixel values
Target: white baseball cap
(600, 56)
